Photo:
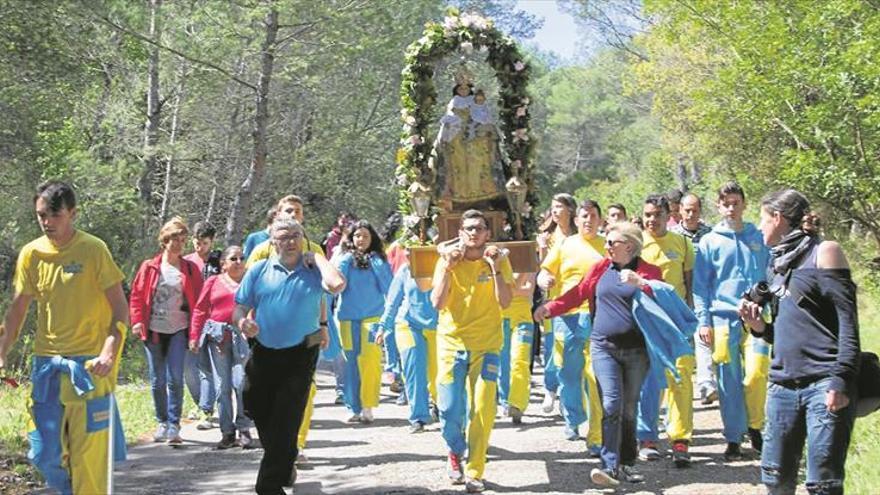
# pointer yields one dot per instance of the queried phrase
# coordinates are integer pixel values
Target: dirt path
(385, 458)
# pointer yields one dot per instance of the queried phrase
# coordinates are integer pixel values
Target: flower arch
(463, 33)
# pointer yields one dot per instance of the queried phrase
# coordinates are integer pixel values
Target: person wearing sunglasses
(472, 284)
(633, 314)
(212, 329)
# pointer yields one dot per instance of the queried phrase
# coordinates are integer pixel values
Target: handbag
(868, 383)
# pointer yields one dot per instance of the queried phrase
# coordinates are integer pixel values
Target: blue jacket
(728, 263)
(405, 302)
(365, 289)
(666, 323)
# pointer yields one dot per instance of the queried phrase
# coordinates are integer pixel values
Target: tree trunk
(681, 172)
(172, 139)
(151, 127)
(243, 198)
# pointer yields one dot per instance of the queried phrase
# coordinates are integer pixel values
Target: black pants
(276, 392)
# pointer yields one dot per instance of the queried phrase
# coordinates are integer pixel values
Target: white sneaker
(354, 418)
(549, 401)
(602, 477)
(174, 435)
(367, 415)
(161, 433)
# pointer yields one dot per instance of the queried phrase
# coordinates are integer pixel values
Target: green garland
(462, 33)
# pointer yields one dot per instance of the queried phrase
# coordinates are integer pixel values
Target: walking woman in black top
(815, 337)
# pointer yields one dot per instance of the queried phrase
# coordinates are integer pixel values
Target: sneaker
(161, 433)
(435, 413)
(193, 415)
(515, 415)
(453, 469)
(340, 399)
(417, 427)
(396, 387)
(401, 399)
(301, 458)
(354, 418)
(630, 475)
(594, 451)
(367, 415)
(756, 439)
(246, 441)
(570, 434)
(174, 435)
(205, 423)
(603, 477)
(474, 485)
(648, 451)
(227, 442)
(733, 453)
(680, 455)
(707, 397)
(549, 400)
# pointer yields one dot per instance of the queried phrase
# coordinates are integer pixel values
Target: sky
(559, 33)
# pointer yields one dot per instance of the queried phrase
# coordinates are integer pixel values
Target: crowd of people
(626, 316)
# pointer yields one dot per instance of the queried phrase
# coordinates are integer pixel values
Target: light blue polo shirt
(287, 303)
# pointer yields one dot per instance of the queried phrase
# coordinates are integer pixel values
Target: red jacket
(144, 287)
(586, 289)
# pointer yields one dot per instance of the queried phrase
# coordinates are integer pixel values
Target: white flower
(450, 23)
(525, 101)
(467, 47)
(519, 66)
(410, 221)
(401, 180)
(409, 120)
(520, 111)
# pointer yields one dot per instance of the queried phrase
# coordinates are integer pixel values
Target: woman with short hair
(163, 293)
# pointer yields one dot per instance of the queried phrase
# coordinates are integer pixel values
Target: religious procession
(485, 304)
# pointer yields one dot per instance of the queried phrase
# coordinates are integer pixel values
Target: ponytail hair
(795, 208)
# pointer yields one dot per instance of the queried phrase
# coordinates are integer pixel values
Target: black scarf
(361, 260)
(791, 249)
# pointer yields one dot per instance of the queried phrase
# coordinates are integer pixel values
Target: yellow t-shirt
(471, 318)
(68, 284)
(674, 254)
(570, 260)
(520, 310)
(266, 250)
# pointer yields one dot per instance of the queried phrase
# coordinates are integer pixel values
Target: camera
(759, 294)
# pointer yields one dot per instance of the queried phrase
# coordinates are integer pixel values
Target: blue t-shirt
(253, 240)
(287, 303)
(613, 322)
(405, 302)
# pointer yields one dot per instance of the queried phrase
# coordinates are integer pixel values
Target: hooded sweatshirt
(728, 264)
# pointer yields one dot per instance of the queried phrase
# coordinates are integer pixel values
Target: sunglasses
(611, 243)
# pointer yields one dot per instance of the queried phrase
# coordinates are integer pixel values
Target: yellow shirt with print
(266, 250)
(570, 260)
(471, 318)
(68, 284)
(674, 254)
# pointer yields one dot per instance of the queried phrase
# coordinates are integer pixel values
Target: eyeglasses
(288, 238)
(611, 243)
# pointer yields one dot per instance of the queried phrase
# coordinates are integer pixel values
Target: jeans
(573, 336)
(165, 358)
(199, 378)
(228, 378)
(551, 371)
(620, 373)
(795, 415)
(276, 391)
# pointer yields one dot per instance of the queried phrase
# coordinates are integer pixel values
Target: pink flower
(516, 164)
(520, 134)
(415, 139)
(520, 111)
(519, 66)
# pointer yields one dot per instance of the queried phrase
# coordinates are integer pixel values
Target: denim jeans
(228, 381)
(620, 373)
(199, 379)
(795, 415)
(165, 360)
